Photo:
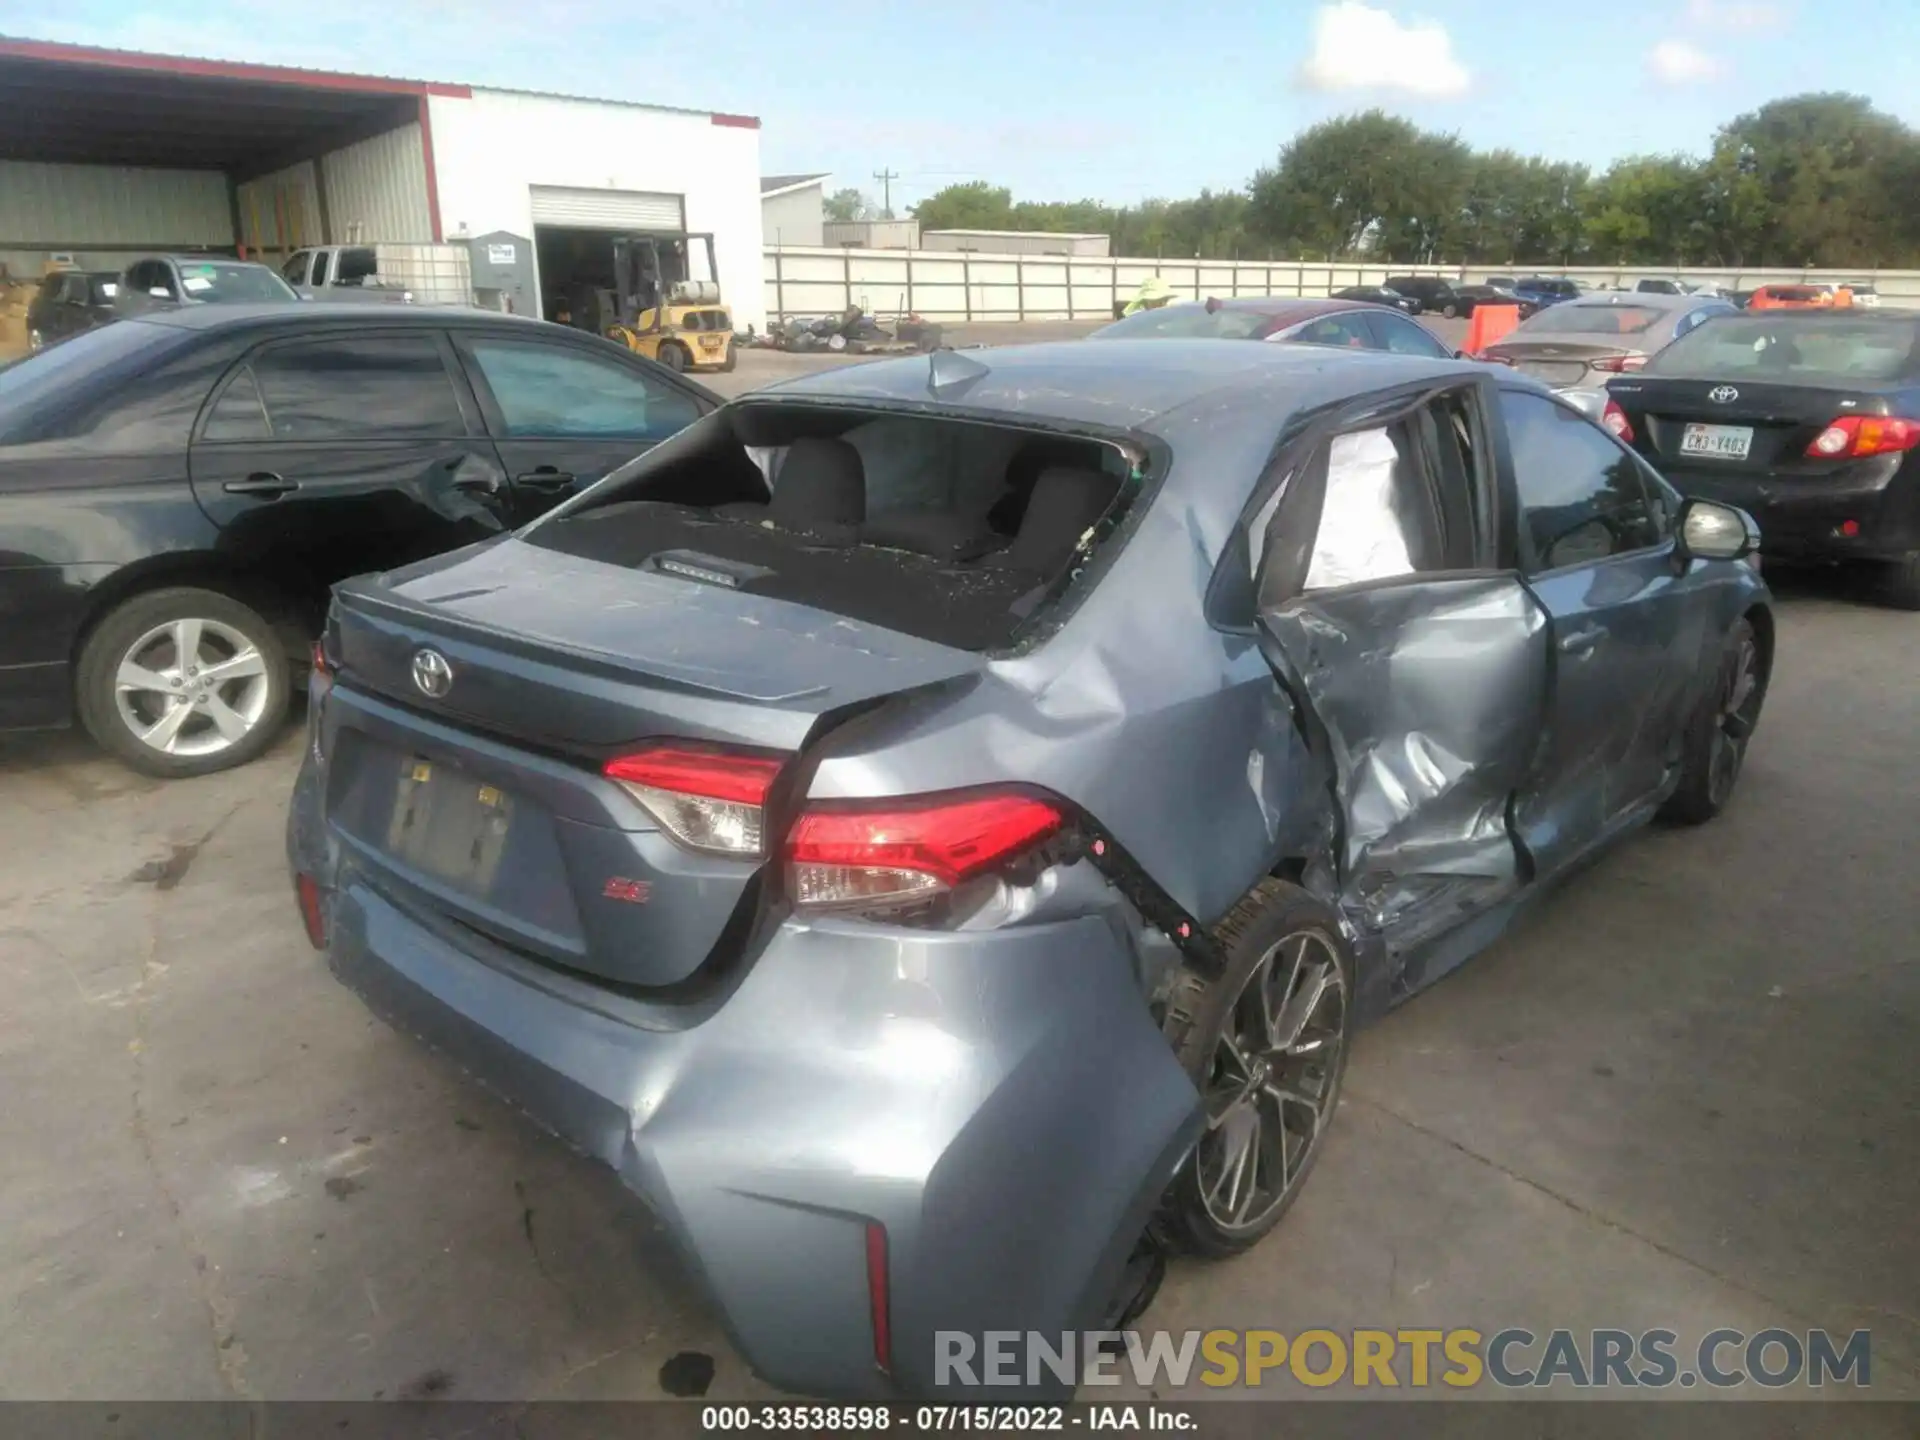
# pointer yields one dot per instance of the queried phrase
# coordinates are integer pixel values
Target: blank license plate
(449, 824)
(1728, 442)
(712, 342)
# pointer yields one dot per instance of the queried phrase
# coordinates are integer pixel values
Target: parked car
(1545, 290)
(1379, 295)
(68, 302)
(178, 490)
(930, 898)
(346, 273)
(1576, 346)
(1468, 298)
(1658, 287)
(1863, 293)
(1349, 324)
(169, 282)
(1808, 420)
(1428, 292)
(1790, 297)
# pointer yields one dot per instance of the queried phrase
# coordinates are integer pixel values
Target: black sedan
(178, 491)
(1470, 297)
(1807, 419)
(68, 302)
(1380, 295)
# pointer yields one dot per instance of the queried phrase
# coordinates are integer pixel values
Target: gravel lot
(1682, 1093)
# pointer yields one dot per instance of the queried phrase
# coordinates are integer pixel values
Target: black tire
(1279, 942)
(257, 698)
(1450, 310)
(1715, 746)
(675, 356)
(733, 358)
(1899, 584)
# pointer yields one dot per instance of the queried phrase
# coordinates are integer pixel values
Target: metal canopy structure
(69, 104)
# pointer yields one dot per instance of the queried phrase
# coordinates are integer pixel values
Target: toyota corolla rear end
(881, 1068)
(1810, 421)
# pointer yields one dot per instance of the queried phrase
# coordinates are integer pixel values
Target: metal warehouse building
(106, 153)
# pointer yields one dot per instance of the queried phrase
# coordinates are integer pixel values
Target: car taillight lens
(312, 912)
(1852, 436)
(1616, 422)
(708, 800)
(1618, 364)
(886, 854)
(320, 665)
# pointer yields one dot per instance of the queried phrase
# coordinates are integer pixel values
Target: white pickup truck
(383, 274)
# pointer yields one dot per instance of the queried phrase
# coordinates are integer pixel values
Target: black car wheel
(1266, 1045)
(1451, 310)
(183, 682)
(1899, 585)
(1715, 746)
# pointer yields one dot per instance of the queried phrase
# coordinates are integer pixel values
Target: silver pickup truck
(344, 272)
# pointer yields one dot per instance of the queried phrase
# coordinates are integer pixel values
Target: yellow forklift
(657, 309)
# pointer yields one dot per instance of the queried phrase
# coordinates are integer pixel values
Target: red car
(1353, 324)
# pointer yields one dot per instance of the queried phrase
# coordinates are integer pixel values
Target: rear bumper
(1807, 517)
(1000, 1102)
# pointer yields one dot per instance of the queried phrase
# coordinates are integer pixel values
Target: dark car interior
(954, 531)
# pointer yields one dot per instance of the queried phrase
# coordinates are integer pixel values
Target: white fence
(943, 285)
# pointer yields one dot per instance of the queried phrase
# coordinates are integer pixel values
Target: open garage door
(608, 209)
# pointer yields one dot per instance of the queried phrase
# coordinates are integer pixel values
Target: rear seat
(1065, 505)
(820, 491)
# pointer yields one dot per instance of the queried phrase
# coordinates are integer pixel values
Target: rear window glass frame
(1727, 336)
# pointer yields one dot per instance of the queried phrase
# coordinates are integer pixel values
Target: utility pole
(886, 179)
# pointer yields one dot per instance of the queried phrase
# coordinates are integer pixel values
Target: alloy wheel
(191, 687)
(1273, 1080)
(1739, 712)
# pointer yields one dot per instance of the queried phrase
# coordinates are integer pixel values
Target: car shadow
(90, 770)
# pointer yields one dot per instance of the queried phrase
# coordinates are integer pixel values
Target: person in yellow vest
(1152, 294)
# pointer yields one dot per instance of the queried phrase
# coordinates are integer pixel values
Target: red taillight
(711, 800)
(877, 1287)
(1616, 422)
(889, 853)
(307, 890)
(320, 665)
(1618, 364)
(1853, 436)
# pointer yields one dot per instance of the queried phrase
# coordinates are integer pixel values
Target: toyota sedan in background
(1346, 324)
(1575, 347)
(1809, 420)
(936, 900)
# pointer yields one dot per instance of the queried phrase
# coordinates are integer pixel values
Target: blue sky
(1104, 98)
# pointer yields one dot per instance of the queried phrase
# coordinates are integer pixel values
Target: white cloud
(1675, 62)
(1356, 47)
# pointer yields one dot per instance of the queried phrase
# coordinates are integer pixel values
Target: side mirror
(1712, 531)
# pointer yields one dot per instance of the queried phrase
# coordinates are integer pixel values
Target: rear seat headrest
(821, 482)
(1065, 503)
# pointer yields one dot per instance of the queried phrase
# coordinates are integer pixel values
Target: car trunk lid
(1557, 362)
(1774, 423)
(488, 802)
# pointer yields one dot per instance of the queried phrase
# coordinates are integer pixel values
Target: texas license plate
(1724, 442)
(449, 824)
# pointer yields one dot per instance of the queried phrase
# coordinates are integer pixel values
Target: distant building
(874, 234)
(1016, 242)
(793, 209)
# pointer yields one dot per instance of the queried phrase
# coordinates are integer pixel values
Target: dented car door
(1419, 664)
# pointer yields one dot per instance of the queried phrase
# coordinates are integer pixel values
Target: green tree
(849, 205)
(971, 205)
(1370, 181)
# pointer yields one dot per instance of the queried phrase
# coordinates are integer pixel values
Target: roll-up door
(608, 209)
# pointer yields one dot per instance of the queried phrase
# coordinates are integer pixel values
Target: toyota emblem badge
(431, 673)
(1723, 394)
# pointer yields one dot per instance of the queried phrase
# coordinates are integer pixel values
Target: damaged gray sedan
(934, 827)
